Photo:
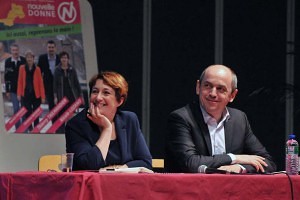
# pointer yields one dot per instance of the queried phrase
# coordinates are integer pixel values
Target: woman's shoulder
(79, 117)
(126, 114)
(127, 117)
(37, 68)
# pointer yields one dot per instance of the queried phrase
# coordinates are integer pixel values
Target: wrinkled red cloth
(112, 186)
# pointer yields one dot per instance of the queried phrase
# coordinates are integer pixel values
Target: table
(114, 186)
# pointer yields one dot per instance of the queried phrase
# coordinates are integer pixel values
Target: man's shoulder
(235, 111)
(8, 60)
(186, 112)
(181, 109)
(43, 56)
(23, 59)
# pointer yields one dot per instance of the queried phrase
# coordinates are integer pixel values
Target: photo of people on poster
(33, 36)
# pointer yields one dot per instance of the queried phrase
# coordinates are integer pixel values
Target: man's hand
(256, 161)
(231, 168)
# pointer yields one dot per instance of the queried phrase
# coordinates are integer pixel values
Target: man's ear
(198, 87)
(232, 95)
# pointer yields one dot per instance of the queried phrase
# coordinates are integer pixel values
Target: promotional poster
(42, 66)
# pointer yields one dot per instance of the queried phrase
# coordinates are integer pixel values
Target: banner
(49, 29)
(50, 12)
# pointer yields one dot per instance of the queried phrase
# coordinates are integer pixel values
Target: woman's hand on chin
(95, 115)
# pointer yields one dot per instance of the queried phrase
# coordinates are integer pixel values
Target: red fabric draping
(90, 185)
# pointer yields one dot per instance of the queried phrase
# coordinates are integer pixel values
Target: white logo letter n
(67, 12)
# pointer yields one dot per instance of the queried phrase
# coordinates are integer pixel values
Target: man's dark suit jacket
(82, 134)
(189, 144)
(43, 63)
(12, 73)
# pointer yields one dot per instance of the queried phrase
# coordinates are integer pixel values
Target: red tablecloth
(112, 186)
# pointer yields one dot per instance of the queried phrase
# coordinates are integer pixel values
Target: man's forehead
(216, 82)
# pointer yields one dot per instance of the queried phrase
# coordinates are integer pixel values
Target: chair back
(49, 162)
(52, 162)
(158, 165)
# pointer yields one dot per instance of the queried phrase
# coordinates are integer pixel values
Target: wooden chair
(52, 162)
(158, 165)
(49, 162)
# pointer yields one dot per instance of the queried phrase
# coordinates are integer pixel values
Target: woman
(30, 90)
(104, 136)
(65, 84)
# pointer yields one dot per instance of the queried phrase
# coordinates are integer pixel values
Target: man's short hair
(51, 42)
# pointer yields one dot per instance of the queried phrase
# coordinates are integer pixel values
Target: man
(207, 132)
(11, 74)
(47, 63)
(3, 56)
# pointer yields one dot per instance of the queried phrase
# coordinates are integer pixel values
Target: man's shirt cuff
(233, 158)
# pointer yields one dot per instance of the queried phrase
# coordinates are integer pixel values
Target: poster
(33, 26)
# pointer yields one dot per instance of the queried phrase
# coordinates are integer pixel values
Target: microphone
(205, 170)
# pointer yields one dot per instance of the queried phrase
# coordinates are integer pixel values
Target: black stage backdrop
(182, 45)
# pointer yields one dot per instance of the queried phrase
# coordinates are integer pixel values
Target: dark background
(182, 45)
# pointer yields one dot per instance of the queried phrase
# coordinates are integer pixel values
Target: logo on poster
(67, 12)
(16, 11)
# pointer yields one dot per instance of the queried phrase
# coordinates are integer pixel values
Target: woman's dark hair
(63, 53)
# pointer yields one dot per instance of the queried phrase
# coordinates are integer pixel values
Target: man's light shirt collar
(208, 118)
(51, 57)
(15, 60)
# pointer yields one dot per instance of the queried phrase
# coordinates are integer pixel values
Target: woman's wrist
(107, 129)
